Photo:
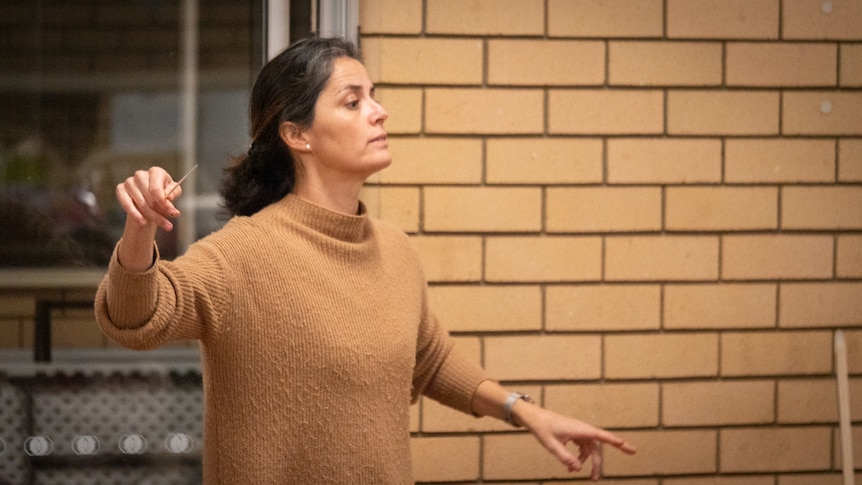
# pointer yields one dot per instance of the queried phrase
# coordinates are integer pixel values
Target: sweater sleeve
(173, 300)
(442, 373)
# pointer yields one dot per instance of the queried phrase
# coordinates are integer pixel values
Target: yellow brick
(546, 62)
(450, 258)
(607, 405)
(851, 65)
(822, 113)
(721, 208)
(604, 308)
(437, 418)
(661, 356)
(774, 449)
(781, 64)
(519, 457)
(718, 403)
(404, 106)
(853, 340)
(821, 207)
(390, 17)
(544, 160)
(807, 19)
(776, 256)
(850, 160)
(824, 478)
(829, 304)
(722, 112)
(423, 61)
(664, 63)
(441, 459)
(485, 209)
(806, 401)
(665, 452)
(727, 305)
(398, 205)
(775, 353)
(605, 18)
(600, 111)
(469, 347)
(722, 19)
(485, 17)
(434, 161)
(519, 482)
(414, 419)
(543, 357)
(488, 308)
(604, 209)
(607, 481)
(722, 480)
(856, 437)
(550, 258)
(663, 160)
(656, 258)
(489, 111)
(849, 257)
(766, 160)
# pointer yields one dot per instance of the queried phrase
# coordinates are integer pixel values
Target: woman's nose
(379, 112)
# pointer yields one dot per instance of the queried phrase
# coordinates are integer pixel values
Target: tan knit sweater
(315, 336)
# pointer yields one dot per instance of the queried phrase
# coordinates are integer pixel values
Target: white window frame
(330, 18)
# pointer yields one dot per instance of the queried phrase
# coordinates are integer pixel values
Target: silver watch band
(510, 401)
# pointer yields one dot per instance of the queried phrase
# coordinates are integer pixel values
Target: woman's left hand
(555, 431)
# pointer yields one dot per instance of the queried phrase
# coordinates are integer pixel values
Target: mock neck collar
(337, 225)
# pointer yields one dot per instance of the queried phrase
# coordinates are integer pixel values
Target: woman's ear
(293, 137)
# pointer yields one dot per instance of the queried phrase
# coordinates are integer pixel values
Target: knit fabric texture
(315, 336)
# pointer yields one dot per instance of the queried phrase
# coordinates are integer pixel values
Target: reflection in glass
(91, 91)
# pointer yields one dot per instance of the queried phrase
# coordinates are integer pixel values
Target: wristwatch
(507, 406)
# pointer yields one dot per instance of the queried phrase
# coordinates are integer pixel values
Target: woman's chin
(380, 164)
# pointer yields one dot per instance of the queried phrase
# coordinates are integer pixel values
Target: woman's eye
(353, 104)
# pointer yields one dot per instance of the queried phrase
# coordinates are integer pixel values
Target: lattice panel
(13, 431)
(101, 429)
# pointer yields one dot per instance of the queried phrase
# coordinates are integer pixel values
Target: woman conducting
(312, 317)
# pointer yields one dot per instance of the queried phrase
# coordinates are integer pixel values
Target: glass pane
(91, 91)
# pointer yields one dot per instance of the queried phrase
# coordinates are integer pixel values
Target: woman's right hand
(147, 198)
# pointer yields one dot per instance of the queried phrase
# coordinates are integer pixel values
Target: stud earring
(307, 146)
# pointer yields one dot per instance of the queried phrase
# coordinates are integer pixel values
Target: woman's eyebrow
(355, 88)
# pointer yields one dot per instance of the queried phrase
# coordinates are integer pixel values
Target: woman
(313, 320)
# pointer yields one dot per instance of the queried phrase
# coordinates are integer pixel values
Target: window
(92, 91)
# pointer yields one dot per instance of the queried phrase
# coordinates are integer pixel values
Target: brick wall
(646, 213)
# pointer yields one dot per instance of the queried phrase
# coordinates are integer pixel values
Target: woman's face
(347, 138)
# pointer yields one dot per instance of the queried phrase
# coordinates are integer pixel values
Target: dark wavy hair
(286, 89)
